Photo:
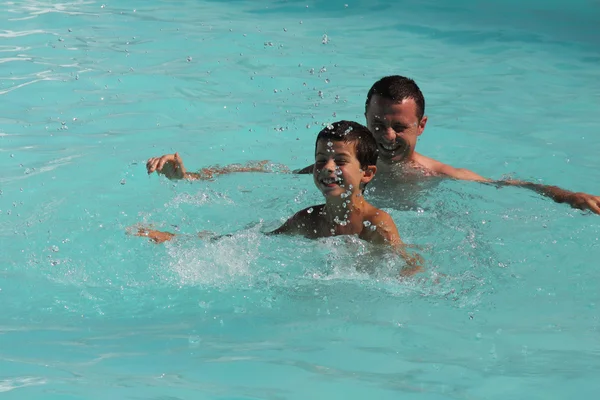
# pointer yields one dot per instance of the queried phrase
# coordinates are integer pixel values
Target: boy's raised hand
(169, 165)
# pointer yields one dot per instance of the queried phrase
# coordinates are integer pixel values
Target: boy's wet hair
(352, 132)
(398, 88)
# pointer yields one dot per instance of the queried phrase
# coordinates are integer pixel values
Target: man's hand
(584, 201)
(169, 165)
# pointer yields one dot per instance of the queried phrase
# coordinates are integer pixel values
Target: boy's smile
(337, 170)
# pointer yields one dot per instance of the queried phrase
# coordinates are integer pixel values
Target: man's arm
(306, 170)
(171, 165)
(582, 201)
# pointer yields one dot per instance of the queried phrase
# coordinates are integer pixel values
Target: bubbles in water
(334, 114)
(323, 69)
(329, 144)
(325, 39)
(189, 59)
(327, 80)
(320, 94)
(367, 224)
(194, 340)
(373, 228)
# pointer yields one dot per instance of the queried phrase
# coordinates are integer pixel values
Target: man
(395, 114)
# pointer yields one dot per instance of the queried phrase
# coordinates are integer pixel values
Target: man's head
(395, 113)
(345, 158)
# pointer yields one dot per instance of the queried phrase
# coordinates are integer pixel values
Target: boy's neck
(345, 209)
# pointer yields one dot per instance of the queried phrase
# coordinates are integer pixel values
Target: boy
(345, 162)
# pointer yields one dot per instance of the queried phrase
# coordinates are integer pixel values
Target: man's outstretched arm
(580, 200)
(171, 166)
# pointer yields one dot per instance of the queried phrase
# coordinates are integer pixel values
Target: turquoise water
(90, 90)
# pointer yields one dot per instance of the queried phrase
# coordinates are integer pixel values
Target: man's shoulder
(430, 163)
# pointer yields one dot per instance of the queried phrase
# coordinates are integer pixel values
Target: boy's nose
(329, 166)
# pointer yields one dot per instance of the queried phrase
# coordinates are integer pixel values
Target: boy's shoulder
(380, 227)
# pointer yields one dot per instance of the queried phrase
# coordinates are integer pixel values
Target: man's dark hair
(352, 132)
(397, 88)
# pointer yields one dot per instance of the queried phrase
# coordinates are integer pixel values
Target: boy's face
(395, 126)
(337, 171)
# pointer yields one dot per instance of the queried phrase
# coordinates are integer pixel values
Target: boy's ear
(369, 174)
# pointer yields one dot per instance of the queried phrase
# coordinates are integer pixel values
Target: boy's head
(394, 110)
(345, 158)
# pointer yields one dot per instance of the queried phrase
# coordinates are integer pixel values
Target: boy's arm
(160, 236)
(386, 233)
(171, 165)
(295, 225)
(582, 201)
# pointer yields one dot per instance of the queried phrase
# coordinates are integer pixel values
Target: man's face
(395, 126)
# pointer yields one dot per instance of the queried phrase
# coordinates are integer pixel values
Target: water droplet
(373, 228)
(327, 80)
(123, 181)
(70, 30)
(189, 59)
(285, 30)
(310, 210)
(329, 144)
(367, 224)
(325, 39)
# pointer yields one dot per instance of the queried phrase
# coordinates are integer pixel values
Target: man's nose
(389, 135)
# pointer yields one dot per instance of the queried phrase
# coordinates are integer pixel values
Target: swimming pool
(90, 90)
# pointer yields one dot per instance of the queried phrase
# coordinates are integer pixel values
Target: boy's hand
(169, 165)
(154, 235)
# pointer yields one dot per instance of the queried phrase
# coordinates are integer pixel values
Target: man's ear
(369, 174)
(422, 124)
